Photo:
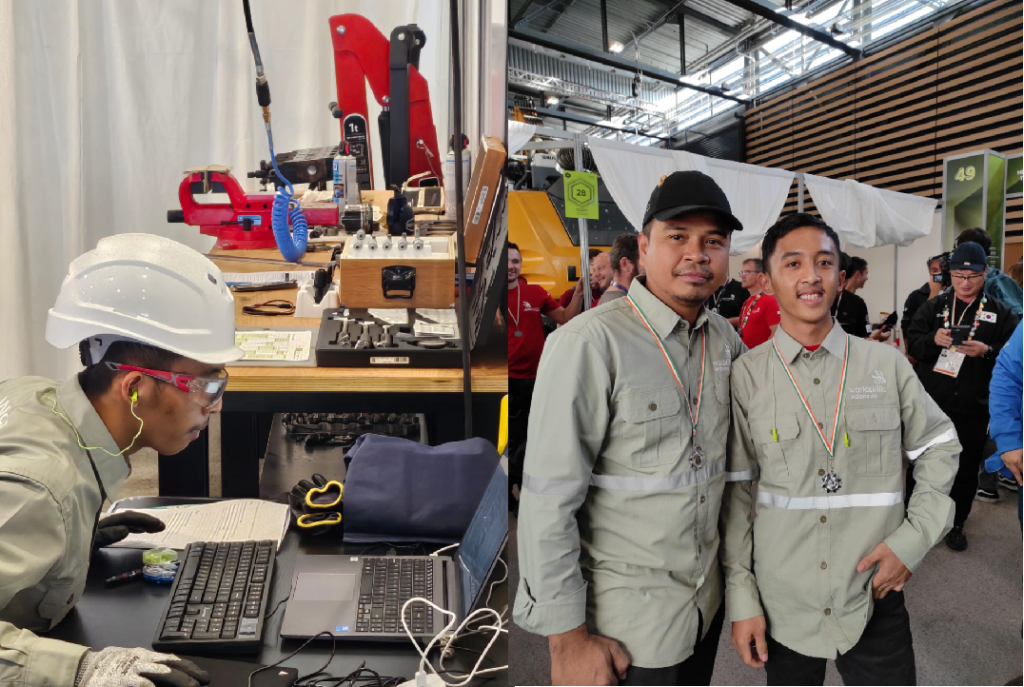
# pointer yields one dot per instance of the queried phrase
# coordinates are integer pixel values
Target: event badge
(950, 362)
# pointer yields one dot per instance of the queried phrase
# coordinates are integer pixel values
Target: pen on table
(124, 577)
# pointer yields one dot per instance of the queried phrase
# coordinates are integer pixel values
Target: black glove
(321, 512)
(114, 528)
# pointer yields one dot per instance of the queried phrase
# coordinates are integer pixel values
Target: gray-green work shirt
(49, 498)
(617, 527)
(794, 558)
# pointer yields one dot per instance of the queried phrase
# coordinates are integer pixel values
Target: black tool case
(334, 350)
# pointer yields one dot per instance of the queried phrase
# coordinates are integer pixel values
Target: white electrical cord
(445, 548)
(424, 661)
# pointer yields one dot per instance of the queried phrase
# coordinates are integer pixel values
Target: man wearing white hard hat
(154, 324)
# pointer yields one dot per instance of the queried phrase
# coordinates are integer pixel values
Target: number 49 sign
(581, 195)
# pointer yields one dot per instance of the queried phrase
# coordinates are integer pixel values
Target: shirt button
(694, 400)
(828, 611)
(823, 566)
(653, 406)
(823, 518)
(820, 426)
(806, 356)
(817, 381)
(702, 499)
(821, 473)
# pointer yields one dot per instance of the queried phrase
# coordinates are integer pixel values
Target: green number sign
(581, 195)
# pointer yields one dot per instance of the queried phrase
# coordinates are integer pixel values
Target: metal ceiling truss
(569, 48)
(555, 86)
(767, 10)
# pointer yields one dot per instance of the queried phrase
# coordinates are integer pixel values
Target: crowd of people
(690, 416)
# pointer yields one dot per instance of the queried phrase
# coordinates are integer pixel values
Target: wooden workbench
(490, 366)
(255, 393)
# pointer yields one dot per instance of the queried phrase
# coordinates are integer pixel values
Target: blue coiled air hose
(291, 244)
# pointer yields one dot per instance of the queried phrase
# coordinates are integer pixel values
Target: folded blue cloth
(399, 490)
(994, 463)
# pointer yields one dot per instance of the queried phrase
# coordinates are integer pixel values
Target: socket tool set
(354, 337)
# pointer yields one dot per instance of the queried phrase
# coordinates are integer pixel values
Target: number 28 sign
(581, 195)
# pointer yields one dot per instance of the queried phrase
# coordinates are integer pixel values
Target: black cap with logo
(691, 191)
(968, 256)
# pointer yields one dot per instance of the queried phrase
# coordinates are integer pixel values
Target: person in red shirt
(600, 279)
(760, 314)
(526, 304)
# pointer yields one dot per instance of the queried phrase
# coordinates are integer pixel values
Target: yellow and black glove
(316, 504)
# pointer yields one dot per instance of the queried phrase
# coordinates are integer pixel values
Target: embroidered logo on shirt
(858, 393)
(723, 365)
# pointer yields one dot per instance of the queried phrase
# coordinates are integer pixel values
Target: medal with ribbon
(831, 482)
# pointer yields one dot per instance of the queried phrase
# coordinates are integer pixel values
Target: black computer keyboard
(218, 598)
(386, 585)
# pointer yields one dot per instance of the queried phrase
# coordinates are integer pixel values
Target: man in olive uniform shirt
(822, 561)
(154, 374)
(625, 462)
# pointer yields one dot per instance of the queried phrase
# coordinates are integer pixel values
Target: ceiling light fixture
(616, 47)
(552, 100)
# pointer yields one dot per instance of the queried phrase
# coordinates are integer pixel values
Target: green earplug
(775, 435)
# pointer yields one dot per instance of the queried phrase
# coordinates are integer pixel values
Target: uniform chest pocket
(722, 386)
(774, 456)
(653, 426)
(874, 440)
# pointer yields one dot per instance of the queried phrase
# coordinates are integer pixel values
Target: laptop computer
(360, 597)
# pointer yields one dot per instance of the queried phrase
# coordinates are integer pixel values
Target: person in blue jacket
(1005, 409)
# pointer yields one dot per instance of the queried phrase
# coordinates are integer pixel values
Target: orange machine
(549, 243)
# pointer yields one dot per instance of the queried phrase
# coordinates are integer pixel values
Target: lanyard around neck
(694, 412)
(829, 444)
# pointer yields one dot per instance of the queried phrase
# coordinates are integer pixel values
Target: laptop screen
(484, 538)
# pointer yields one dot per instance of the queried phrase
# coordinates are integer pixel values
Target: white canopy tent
(862, 215)
(756, 194)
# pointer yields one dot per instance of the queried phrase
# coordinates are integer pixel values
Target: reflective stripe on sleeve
(657, 484)
(744, 476)
(552, 487)
(567, 487)
(948, 435)
(830, 501)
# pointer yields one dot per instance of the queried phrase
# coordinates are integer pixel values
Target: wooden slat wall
(889, 119)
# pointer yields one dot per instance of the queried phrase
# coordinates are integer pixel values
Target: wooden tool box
(394, 278)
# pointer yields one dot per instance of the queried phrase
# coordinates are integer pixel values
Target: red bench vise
(244, 222)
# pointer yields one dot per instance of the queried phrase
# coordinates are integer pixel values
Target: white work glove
(120, 667)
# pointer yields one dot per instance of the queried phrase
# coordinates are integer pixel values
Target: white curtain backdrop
(756, 194)
(865, 216)
(630, 173)
(519, 134)
(106, 102)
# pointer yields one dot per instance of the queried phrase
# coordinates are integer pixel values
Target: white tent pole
(800, 192)
(584, 237)
(895, 274)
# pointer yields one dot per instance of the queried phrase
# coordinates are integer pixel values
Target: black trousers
(972, 430)
(883, 656)
(695, 670)
(520, 396)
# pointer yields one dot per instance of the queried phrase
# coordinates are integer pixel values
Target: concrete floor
(965, 612)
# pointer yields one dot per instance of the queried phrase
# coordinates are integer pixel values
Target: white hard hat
(148, 289)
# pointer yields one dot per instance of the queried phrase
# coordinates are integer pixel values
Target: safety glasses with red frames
(206, 390)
